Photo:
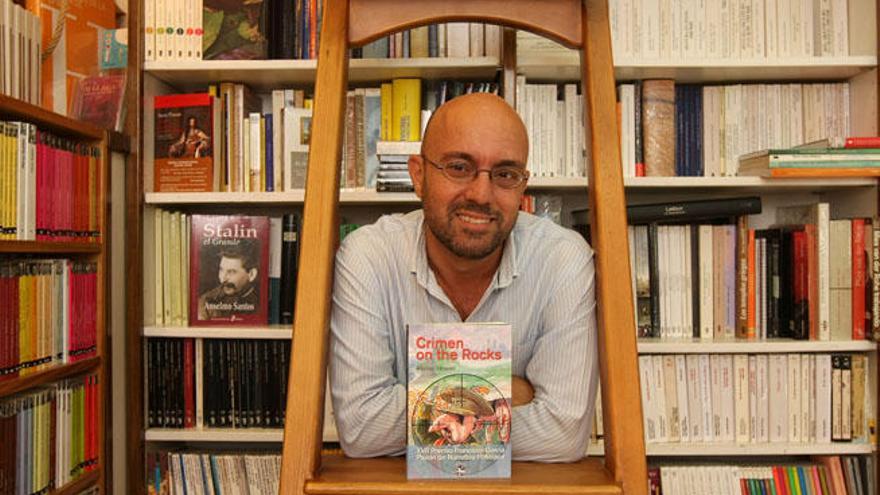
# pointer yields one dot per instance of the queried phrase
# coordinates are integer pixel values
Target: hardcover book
(185, 148)
(458, 400)
(229, 263)
(99, 101)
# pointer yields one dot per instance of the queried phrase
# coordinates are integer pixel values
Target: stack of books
(393, 174)
(860, 157)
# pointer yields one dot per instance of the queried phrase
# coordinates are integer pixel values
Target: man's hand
(522, 391)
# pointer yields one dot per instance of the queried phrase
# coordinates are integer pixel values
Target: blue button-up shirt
(544, 287)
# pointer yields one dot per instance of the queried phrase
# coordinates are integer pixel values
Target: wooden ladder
(578, 24)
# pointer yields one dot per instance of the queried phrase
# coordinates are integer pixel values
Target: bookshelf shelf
(273, 435)
(354, 197)
(715, 449)
(564, 66)
(692, 346)
(11, 108)
(78, 485)
(271, 332)
(48, 376)
(42, 247)
(265, 75)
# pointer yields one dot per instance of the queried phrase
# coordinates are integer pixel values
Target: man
(237, 292)
(468, 255)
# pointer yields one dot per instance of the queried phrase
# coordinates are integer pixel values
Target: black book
(654, 279)
(640, 160)
(786, 286)
(691, 211)
(695, 280)
(289, 265)
(222, 390)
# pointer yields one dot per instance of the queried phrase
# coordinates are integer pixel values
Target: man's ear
(252, 274)
(416, 172)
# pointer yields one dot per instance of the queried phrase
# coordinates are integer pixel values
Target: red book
(186, 158)
(779, 481)
(99, 101)
(800, 313)
(13, 322)
(859, 274)
(5, 348)
(812, 279)
(862, 142)
(189, 408)
(229, 261)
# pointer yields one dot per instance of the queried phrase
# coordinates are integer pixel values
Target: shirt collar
(508, 269)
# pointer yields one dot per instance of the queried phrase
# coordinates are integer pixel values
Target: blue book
(270, 148)
(458, 407)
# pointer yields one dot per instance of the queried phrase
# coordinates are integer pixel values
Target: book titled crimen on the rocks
(229, 281)
(458, 400)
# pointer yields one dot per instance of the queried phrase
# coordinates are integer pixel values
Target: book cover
(458, 400)
(184, 147)
(229, 280)
(235, 30)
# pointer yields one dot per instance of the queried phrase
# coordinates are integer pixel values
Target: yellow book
(406, 109)
(386, 94)
(4, 182)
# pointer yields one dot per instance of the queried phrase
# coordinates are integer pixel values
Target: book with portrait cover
(458, 400)
(186, 158)
(229, 281)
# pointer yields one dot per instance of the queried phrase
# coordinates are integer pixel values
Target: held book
(229, 263)
(458, 400)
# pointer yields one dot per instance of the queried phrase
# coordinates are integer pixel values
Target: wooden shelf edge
(11, 107)
(29, 247)
(78, 485)
(50, 375)
(729, 346)
(765, 449)
(283, 332)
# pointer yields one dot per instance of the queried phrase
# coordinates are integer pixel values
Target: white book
(728, 399)
(687, 286)
(277, 139)
(825, 28)
(716, 371)
(836, 398)
(646, 374)
(659, 385)
(296, 147)
(20, 138)
(741, 397)
(823, 398)
(174, 269)
(673, 420)
(840, 278)
(14, 60)
(477, 40)
(492, 40)
(763, 398)
(5, 72)
(458, 39)
(255, 147)
(753, 398)
(808, 13)
(681, 390)
(695, 404)
(650, 29)
(707, 301)
(706, 397)
(778, 386)
(571, 129)
(794, 398)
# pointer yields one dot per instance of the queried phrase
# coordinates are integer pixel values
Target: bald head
(476, 114)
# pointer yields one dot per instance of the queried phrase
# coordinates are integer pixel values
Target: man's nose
(481, 189)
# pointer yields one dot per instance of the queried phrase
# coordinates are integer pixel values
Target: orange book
(812, 279)
(795, 173)
(751, 326)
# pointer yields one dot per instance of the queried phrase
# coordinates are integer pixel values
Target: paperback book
(458, 400)
(186, 154)
(229, 270)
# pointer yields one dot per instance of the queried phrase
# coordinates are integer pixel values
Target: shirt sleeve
(369, 402)
(555, 426)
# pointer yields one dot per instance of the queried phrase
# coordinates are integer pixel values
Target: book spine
(658, 124)
(859, 274)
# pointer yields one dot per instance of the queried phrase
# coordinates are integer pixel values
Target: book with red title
(229, 265)
(186, 155)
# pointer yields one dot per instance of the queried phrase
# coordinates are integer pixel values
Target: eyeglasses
(463, 171)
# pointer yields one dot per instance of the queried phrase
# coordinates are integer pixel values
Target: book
(185, 151)
(100, 100)
(658, 127)
(297, 123)
(229, 262)
(235, 30)
(458, 400)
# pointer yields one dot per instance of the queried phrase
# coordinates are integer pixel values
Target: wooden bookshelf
(733, 346)
(48, 375)
(12, 109)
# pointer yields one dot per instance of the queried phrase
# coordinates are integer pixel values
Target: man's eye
(458, 167)
(507, 173)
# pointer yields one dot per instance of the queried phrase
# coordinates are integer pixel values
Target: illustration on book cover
(458, 400)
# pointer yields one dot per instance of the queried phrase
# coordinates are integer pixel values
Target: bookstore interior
(166, 291)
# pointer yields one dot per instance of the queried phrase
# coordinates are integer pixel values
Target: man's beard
(442, 229)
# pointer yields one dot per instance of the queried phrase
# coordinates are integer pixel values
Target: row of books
(221, 140)
(49, 187)
(456, 39)
(735, 29)
(756, 398)
(21, 47)
(49, 315)
(212, 473)
(685, 280)
(807, 161)
(823, 475)
(204, 263)
(195, 383)
(50, 436)
(691, 130)
(210, 30)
